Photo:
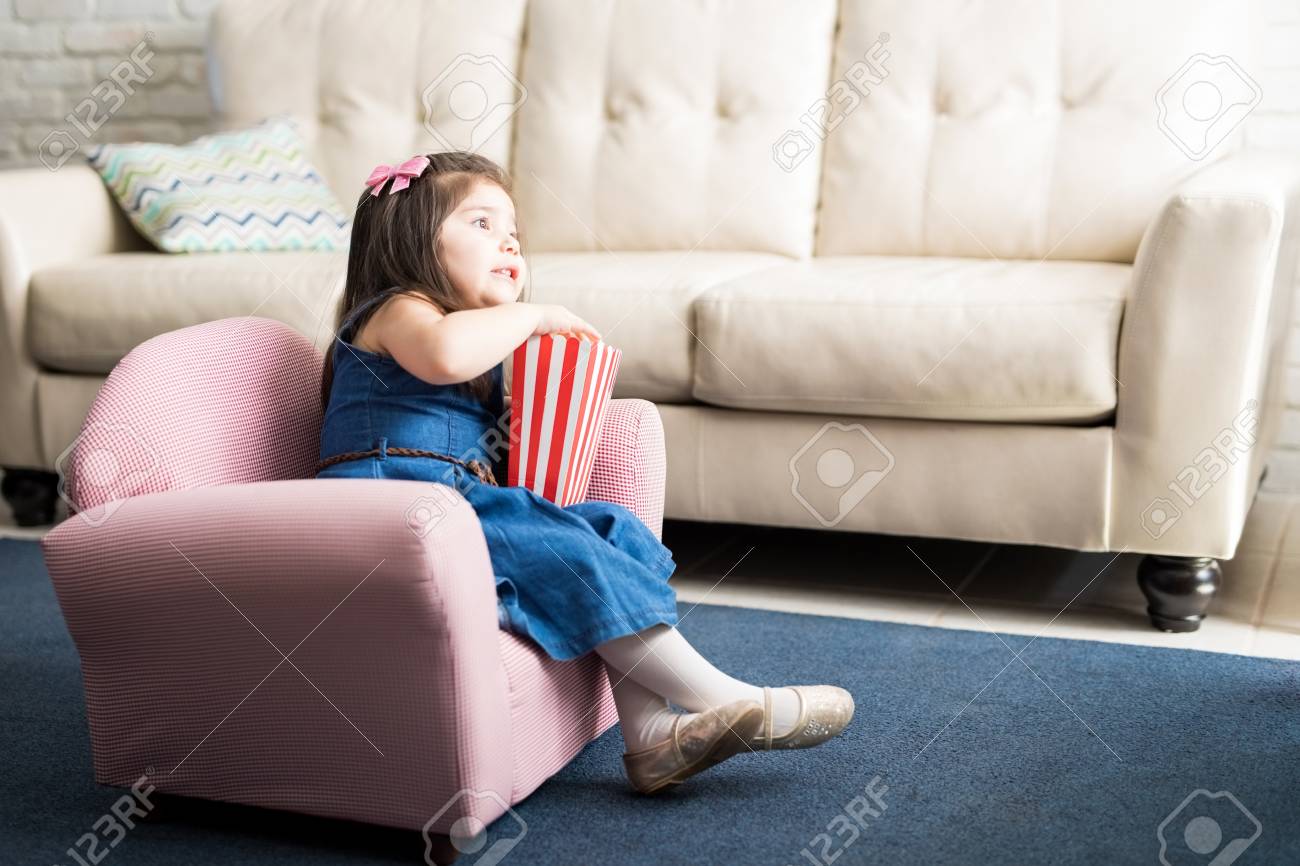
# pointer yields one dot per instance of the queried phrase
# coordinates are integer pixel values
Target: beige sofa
(1007, 296)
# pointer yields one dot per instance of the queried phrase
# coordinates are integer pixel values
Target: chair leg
(1178, 589)
(31, 494)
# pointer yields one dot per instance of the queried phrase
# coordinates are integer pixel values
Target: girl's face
(479, 246)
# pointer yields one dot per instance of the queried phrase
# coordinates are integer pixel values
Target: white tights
(656, 665)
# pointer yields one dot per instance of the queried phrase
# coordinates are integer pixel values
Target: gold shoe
(706, 739)
(824, 711)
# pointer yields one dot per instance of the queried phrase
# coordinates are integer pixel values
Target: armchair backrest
(226, 402)
(1015, 128)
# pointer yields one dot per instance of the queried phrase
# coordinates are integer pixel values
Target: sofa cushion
(650, 126)
(371, 83)
(1019, 129)
(86, 315)
(641, 302)
(956, 339)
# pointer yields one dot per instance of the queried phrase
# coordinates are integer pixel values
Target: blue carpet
(1017, 778)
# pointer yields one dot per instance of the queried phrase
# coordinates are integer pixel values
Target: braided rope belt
(482, 472)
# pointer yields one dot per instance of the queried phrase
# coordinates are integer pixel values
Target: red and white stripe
(561, 387)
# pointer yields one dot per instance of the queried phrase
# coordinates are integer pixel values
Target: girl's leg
(662, 661)
(644, 717)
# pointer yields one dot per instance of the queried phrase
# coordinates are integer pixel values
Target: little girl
(429, 312)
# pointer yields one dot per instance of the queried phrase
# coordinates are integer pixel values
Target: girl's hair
(395, 246)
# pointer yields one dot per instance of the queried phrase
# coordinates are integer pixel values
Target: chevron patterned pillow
(251, 189)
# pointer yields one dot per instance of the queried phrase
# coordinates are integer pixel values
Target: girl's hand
(555, 319)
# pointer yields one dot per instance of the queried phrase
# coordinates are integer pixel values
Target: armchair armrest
(320, 645)
(45, 218)
(630, 467)
(1201, 358)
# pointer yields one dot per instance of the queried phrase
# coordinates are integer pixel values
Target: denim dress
(569, 578)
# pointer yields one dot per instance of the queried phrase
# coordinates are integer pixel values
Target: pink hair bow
(401, 174)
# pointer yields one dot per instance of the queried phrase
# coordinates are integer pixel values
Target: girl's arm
(456, 347)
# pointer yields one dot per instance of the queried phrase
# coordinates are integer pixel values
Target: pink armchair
(251, 634)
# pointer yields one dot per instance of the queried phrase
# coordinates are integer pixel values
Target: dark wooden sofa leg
(1178, 589)
(31, 494)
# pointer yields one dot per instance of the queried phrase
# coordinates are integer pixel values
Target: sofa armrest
(45, 218)
(630, 466)
(1202, 357)
(183, 606)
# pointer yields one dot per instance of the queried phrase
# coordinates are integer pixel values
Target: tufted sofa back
(353, 73)
(1013, 128)
(1005, 128)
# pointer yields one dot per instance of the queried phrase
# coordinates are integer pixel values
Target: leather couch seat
(924, 337)
(928, 338)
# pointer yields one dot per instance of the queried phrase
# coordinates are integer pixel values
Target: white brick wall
(53, 52)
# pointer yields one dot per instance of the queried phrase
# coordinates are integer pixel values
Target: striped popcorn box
(560, 387)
